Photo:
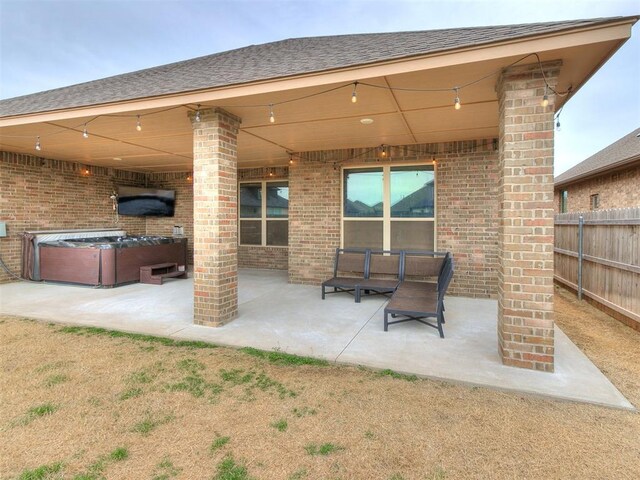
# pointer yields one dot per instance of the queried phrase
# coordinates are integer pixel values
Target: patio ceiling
(326, 121)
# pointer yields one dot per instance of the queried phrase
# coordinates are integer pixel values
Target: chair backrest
(385, 263)
(420, 265)
(350, 261)
(444, 279)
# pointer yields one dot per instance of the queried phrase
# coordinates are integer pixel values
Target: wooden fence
(605, 268)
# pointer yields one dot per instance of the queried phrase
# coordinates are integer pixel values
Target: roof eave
(622, 164)
(436, 59)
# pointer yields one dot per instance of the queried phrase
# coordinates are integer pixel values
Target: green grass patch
(280, 425)
(190, 365)
(397, 376)
(149, 424)
(369, 435)
(131, 393)
(166, 470)
(437, 473)
(43, 472)
(56, 379)
(228, 469)
(304, 412)
(298, 475)
(119, 454)
(218, 443)
(281, 358)
(324, 449)
(75, 330)
(36, 412)
(236, 376)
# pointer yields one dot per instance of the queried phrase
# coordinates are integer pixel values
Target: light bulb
(198, 114)
(456, 102)
(139, 124)
(38, 146)
(558, 125)
(354, 95)
(545, 100)
(272, 118)
(384, 151)
(85, 134)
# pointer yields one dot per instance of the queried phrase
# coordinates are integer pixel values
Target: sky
(47, 44)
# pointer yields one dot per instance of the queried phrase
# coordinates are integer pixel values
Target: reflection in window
(277, 200)
(363, 193)
(412, 192)
(250, 200)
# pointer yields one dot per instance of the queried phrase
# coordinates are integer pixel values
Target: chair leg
(440, 318)
(386, 321)
(323, 292)
(358, 294)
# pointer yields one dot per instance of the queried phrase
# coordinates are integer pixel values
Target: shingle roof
(622, 152)
(275, 60)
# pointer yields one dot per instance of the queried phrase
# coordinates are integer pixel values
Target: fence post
(580, 237)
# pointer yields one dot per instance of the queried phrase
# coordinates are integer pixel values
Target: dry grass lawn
(82, 405)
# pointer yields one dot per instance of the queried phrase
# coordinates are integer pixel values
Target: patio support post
(215, 193)
(525, 237)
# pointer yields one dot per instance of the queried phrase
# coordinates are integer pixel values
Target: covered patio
(276, 315)
(471, 110)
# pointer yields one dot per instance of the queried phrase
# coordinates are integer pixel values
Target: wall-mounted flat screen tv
(146, 202)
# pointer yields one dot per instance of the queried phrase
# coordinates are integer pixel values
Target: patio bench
(349, 269)
(419, 301)
(382, 275)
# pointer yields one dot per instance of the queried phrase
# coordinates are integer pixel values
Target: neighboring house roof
(618, 154)
(251, 197)
(277, 60)
(421, 199)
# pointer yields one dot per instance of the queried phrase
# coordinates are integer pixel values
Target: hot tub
(107, 261)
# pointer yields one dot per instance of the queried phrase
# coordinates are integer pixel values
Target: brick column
(215, 194)
(525, 238)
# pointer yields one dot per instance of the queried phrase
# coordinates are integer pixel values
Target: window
(595, 201)
(564, 197)
(264, 213)
(389, 207)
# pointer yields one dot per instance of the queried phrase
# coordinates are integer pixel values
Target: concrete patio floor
(292, 318)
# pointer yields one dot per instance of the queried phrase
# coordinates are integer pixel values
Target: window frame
(564, 200)
(386, 218)
(264, 219)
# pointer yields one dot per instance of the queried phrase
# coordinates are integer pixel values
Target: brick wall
(182, 183)
(466, 186)
(42, 194)
(467, 219)
(525, 234)
(616, 190)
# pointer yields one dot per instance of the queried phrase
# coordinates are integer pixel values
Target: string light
(354, 99)
(545, 98)
(384, 151)
(290, 159)
(456, 103)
